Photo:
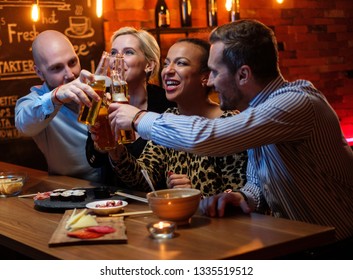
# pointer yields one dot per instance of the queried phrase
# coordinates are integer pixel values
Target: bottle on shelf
(162, 15)
(211, 6)
(185, 12)
(120, 94)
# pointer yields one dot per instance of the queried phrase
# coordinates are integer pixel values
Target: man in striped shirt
(300, 166)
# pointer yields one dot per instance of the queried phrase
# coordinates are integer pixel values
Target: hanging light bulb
(233, 7)
(35, 11)
(228, 5)
(280, 1)
(99, 8)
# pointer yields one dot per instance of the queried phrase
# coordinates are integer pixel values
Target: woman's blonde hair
(148, 44)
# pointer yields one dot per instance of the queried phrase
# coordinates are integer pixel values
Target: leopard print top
(211, 175)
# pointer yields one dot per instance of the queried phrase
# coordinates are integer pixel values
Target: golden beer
(89, 115)
(120, 93)
(106, 140)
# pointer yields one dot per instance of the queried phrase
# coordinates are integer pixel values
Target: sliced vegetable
(84, 234)
(101, 229)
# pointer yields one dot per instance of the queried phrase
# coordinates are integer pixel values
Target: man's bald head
(55, 59)
(49, 39)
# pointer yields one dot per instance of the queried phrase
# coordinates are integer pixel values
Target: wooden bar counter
(28, 231)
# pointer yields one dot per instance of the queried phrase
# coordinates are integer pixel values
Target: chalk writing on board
(75, 18)
(7, 125)
(80, 27)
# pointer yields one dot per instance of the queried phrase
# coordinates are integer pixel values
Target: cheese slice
(84, 221)
(75, 217)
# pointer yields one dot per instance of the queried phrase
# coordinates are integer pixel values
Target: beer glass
(88, 115)
(120, 94)
(106, 140)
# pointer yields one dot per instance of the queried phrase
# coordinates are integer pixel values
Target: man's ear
(243, 74)
(38, 72)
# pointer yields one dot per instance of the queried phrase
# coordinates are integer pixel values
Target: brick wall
(316, 35)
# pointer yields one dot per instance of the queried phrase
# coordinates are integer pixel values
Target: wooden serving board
(60, 238)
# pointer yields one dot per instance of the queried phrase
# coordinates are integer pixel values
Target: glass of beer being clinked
(88, 115)
(120, 94)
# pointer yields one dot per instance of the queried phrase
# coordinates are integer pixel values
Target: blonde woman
(142, 62)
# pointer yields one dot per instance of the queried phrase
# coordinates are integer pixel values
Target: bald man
(49, 112)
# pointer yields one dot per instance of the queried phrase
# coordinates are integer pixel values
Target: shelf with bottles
(178, 30)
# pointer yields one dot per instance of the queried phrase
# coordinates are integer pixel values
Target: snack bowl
(11, 183)
(177, 205)
(106, 207)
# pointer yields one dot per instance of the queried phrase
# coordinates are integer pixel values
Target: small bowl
(101, 207)
(11, 183)
(176, 205)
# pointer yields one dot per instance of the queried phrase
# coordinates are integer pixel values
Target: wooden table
(27, 231)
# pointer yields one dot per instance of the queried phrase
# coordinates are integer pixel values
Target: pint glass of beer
(89, 115)
(106, 140)
(101, 82)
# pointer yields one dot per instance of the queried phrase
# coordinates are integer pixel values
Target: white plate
(105, 210)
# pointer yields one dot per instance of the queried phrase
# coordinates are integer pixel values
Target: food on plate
(9, 186)
(73, 195)
(54, 196)
(65, 196)
(109, 203)
(106, 207)
(85, 221)
(101, 229)
(11, 183)
(84, 226)
(59, 190)
(84, 234)
(91, 232)
(80, 220)
(78, 196)
(62, 195)
(42, 195)
(74, 217)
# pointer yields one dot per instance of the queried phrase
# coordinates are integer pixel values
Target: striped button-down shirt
(300, 166)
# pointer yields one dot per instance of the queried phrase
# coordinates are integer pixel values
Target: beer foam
(107, 80)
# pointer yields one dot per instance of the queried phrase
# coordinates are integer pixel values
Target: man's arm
(34, 112)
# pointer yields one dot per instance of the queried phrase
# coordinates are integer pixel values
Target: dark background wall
(316, 38)
(77, 20)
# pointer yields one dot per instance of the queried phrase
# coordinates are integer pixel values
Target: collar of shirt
(267, 91)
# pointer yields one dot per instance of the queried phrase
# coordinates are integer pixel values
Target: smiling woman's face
(135, 61)
(181, 74)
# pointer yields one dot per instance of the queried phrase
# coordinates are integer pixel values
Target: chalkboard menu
(78, 21)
